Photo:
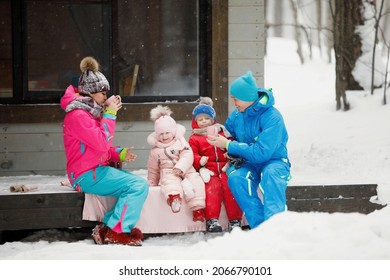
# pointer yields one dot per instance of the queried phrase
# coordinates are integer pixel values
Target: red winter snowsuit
(217, 190)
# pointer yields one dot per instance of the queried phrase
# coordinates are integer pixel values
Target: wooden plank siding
(37, 149)
(246, 39)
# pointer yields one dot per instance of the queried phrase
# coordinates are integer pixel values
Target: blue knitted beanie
(245, 88)
(204, 109)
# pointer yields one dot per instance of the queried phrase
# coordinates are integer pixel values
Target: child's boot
(174, 200)
(212, 225)
(234, 224)
(198, 215)
(134, 238)
(98, 233)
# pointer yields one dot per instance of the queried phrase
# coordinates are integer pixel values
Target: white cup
(112, 98)
(212, 130)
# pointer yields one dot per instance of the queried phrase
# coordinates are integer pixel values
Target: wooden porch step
(333, 198)
(64, 210)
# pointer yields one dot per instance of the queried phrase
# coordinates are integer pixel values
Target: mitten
(22, 188)
(205, 174)
(188, 189)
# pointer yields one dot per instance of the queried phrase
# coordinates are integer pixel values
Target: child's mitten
(188, 189)
(205, 174)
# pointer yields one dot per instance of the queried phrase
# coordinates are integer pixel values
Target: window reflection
(157, 51)
(59, 35)
(6, 88)
(147, 48)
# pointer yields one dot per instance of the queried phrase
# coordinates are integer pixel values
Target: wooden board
(62, 210)
(331, 191)
(42, 211)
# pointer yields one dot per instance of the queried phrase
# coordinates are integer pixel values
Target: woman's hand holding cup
(113, 103)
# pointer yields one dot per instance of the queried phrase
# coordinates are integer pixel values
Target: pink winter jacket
(180, 155)
(87, 140)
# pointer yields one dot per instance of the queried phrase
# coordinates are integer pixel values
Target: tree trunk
(378, 17)
(278, 18)
(347, 46)
(329, 34)
(319, 25)
(294, 9)
(266, 26)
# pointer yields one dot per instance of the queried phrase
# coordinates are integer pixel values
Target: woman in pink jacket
(170, 164)
(88, 130)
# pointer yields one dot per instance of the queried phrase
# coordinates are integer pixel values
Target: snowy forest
(357, 31)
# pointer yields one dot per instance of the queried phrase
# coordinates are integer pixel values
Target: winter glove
(22, 188)
(188, 189)
(236, 161)
(205, 174)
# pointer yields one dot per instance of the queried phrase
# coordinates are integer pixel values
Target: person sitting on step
(170, 164)
(210, 162)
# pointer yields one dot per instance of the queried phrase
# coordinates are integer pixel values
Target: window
(148, 49)
(157, 48)
(58, 36)
(6, 76)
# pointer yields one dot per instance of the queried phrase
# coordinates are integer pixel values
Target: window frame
(215, 84)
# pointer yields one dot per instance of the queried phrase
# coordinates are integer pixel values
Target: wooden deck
(64, 210)
(333, 198)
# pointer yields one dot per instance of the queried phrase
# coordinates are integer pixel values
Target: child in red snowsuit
(209, 161)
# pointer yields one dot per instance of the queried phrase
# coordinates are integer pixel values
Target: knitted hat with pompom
(205, 107)
(91, 80)
(163, 122)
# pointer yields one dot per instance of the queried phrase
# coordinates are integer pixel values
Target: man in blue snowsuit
(258, 151)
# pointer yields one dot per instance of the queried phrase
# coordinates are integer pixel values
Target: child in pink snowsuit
(170, 164)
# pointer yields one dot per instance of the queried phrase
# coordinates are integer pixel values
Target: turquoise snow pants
(271, 179)
(130, 190)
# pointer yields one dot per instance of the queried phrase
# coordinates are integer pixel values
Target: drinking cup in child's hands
(211, 131)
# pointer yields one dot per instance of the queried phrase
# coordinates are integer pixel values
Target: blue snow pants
(271, 179)
(130, 190)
